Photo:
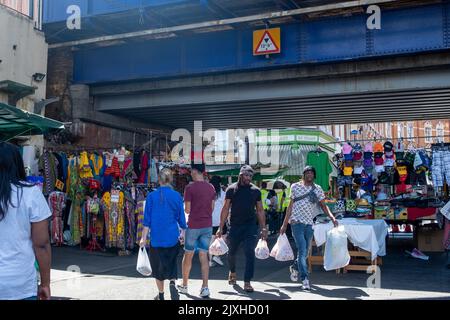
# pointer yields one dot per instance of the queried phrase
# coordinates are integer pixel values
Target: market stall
(388, 191)
(97, 197)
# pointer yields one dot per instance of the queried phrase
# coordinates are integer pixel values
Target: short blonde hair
(165, 176)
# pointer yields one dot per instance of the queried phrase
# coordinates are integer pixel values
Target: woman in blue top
(163, 218)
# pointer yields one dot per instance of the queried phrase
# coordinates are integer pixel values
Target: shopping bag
(218, 247)
(282, 250)
(143, 263)
(336, 254)
(446, 210)
(262, 250)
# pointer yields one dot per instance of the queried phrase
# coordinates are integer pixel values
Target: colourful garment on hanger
(73, 181)
(65, 168)
(106, 209)
(57, 203)
(48, 166)
(128, 171)
(121, 223)
(140, 222)
(130, 223)
(144, 167)
(116, 223)
(321, 162)
(97, 166)
(76, 223)
(85, 169)
(93, 206)
(114, 169)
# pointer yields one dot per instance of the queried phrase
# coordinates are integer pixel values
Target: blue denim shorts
(197, 239)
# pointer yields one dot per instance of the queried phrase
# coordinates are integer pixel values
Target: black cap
(388, 146)
(199, 167)
(309, 168)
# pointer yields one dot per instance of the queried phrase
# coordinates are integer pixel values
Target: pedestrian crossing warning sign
(266, 41)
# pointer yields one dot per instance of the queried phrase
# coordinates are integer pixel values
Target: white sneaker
(204, 293)
(305, 285)
(182, 289)
(212, 264)
(294, 274)
(217, 260)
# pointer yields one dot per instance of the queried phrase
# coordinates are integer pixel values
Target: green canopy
(15, 122)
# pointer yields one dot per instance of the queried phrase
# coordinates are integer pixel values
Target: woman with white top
(218, 205)
(24, 236)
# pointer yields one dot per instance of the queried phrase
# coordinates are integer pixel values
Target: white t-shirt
(17, 272)
(218, 205)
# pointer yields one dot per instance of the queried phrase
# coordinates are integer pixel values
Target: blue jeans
(246, 234)
(31, 298)
(302, 234)
(198, 239)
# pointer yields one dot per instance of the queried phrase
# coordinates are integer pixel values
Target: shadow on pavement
(257, 295)
(344, 293)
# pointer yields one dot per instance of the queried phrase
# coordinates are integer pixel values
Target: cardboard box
(430, 240)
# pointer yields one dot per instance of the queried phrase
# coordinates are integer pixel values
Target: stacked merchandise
(388, 168)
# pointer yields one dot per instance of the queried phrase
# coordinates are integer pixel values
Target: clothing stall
(97, 196)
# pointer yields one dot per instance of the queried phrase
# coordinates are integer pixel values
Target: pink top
(368, 147)
(347, 149)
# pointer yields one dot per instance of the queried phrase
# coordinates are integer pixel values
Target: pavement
(78, 274)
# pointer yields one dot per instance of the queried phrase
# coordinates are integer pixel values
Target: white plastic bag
(282, 250)
(218, 247)
(446, 210)
(262, 250)
(336, 254)
(143, 263)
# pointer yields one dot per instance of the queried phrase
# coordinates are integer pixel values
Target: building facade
(421, 134)
(23, 69)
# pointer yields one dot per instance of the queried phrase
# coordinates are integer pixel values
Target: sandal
(248, 287)
(232, 278)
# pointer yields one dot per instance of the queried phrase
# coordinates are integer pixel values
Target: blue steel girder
(287, 4)
(217, 9)
(333, 39)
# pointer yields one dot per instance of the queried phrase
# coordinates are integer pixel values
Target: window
(410, 131)
(440, 132)
(388, 130)
(428, 132)
(400, 130)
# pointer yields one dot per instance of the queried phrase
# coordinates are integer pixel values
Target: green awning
(15, 122)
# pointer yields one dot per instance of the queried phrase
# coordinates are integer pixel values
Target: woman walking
(163, 218)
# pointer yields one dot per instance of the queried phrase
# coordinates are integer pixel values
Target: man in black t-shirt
(244, 200)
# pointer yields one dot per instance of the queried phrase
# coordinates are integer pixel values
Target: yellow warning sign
(266, 41)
